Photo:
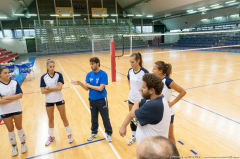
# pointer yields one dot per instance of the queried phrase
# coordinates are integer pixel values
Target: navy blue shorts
(172, 119)
(129, 102)
(57, 104)
(10, 114)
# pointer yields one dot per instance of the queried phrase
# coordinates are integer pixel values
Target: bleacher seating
(7, 56)
(208, 40)
(211, 40)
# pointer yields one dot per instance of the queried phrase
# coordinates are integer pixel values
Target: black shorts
(172, 119)
(129, 102)
(57, 104)
(10, 114)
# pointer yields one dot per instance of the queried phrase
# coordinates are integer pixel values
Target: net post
(92, 45)
(123, 47)
(131, 44)
(1, 120)
(113, 63)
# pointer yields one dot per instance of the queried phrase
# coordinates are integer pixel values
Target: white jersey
(154, 120)
(135, 79)
(10, 89)
(167, 91)
(48, 81)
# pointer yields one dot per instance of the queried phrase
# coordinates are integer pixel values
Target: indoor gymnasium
(119, 79)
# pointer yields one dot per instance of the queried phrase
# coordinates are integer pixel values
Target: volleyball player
(11, 110)
(163, 70)
(51, 85)
(135, 75)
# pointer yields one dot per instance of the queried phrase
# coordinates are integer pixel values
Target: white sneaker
(132, 140)
(50, 139)
(109, 138)
(14, 150)
(92, 137)
(23, 147)
(70, 138)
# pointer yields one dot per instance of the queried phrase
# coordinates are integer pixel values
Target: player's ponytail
(166, 68)
(138, 57)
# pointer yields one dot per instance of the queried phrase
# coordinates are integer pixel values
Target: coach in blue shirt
(96, 80)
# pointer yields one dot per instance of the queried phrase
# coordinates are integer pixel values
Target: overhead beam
(135, 4)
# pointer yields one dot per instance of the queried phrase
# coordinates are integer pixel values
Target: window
(29, 32)
(18, 33)
(8, 33)
(1, 36)
(138, 29)
(147, 29)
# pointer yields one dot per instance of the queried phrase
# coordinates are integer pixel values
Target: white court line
(203, 67)
(85, 105)
(162, 52)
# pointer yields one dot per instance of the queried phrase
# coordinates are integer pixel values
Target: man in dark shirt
(152, 112)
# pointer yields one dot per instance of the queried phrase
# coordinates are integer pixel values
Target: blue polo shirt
(96, 79)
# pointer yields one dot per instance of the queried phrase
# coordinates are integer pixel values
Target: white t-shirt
(135, 79)
(48, 81)
(167, 91)
(10, 89)
(154, 118)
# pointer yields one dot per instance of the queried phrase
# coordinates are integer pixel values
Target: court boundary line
(85, 105)
(180, 142)
(212, 84)
(211, 111)
(87, 143)
(194, 152)
(191, 150)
